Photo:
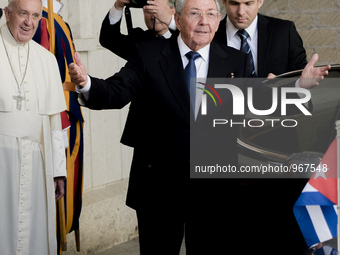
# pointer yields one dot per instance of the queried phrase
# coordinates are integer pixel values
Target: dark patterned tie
(190, 73)
(246, 48)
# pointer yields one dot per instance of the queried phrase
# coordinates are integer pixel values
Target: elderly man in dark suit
(168, 203)
(275, 44)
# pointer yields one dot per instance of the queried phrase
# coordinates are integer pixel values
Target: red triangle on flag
(324, 178)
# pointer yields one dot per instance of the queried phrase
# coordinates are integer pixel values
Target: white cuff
(115, 15)
(85, 91)
(65, 137)
(297, 85)
(58, 152)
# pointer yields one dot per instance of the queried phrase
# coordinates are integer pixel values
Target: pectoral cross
(19, 98)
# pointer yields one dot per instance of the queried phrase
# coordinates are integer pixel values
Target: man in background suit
(168, 203)
(157, 16)
(276, 48)
(275, 44)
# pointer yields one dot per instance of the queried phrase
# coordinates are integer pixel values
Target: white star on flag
(321, 171)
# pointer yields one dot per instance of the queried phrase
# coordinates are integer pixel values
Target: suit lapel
(219, 67)
(264, 39)
(221, 33)
(172, 67)
(263, 42)
(217, 61)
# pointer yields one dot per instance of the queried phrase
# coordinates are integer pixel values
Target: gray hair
(171, 3)
(179, 4)
(11, 2)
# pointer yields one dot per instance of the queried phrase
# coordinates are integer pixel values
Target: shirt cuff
(297, 85)
(115, 15)
(59, 158)
(85, 91)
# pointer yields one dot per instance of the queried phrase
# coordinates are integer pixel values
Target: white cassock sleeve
(58, 147)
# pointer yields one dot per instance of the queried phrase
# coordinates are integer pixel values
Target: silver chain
(28, 53)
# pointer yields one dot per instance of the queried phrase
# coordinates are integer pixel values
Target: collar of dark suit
(172, 49)
(264, 38)
(171, 65)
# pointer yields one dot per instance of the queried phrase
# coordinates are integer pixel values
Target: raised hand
(161, 10)
(59, 187)
(77, 71)
(119, 4)
(311, 76)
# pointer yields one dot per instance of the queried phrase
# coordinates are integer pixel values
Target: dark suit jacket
(280, 48)
(158, 124)
(112, 39)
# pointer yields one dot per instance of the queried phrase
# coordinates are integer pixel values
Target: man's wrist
(118, 7)
(85, 91)
(56, 178)
(115, 15)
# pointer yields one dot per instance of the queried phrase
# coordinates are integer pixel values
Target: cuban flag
(316, 209)
(326, 250)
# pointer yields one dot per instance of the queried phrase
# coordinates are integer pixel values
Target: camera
(138, 3)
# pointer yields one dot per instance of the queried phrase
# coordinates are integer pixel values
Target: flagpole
(337, 127)
(51, 25)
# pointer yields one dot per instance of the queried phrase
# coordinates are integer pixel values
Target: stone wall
(318, 23)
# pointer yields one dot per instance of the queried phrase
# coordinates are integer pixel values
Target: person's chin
(201, 42)
(24, 39)
(202, 37)
(160, 27)
(241, 25)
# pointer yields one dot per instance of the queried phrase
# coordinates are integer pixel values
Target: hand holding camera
(138, 3)
(119, 4)
(161, 10)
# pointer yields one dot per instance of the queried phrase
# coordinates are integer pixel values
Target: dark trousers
(160, 234)
(216, 219)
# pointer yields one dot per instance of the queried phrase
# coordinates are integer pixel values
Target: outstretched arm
(311, 76)
(77, 71)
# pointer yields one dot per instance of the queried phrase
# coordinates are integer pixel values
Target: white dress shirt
(201, 64)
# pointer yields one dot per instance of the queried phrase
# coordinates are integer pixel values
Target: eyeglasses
(197, 14)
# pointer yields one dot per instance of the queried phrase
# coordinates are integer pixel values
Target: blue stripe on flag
(331, 218)
(313, 198)
(37, 35)
(306, 225)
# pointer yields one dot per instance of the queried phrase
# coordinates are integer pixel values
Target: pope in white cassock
(32, 152)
